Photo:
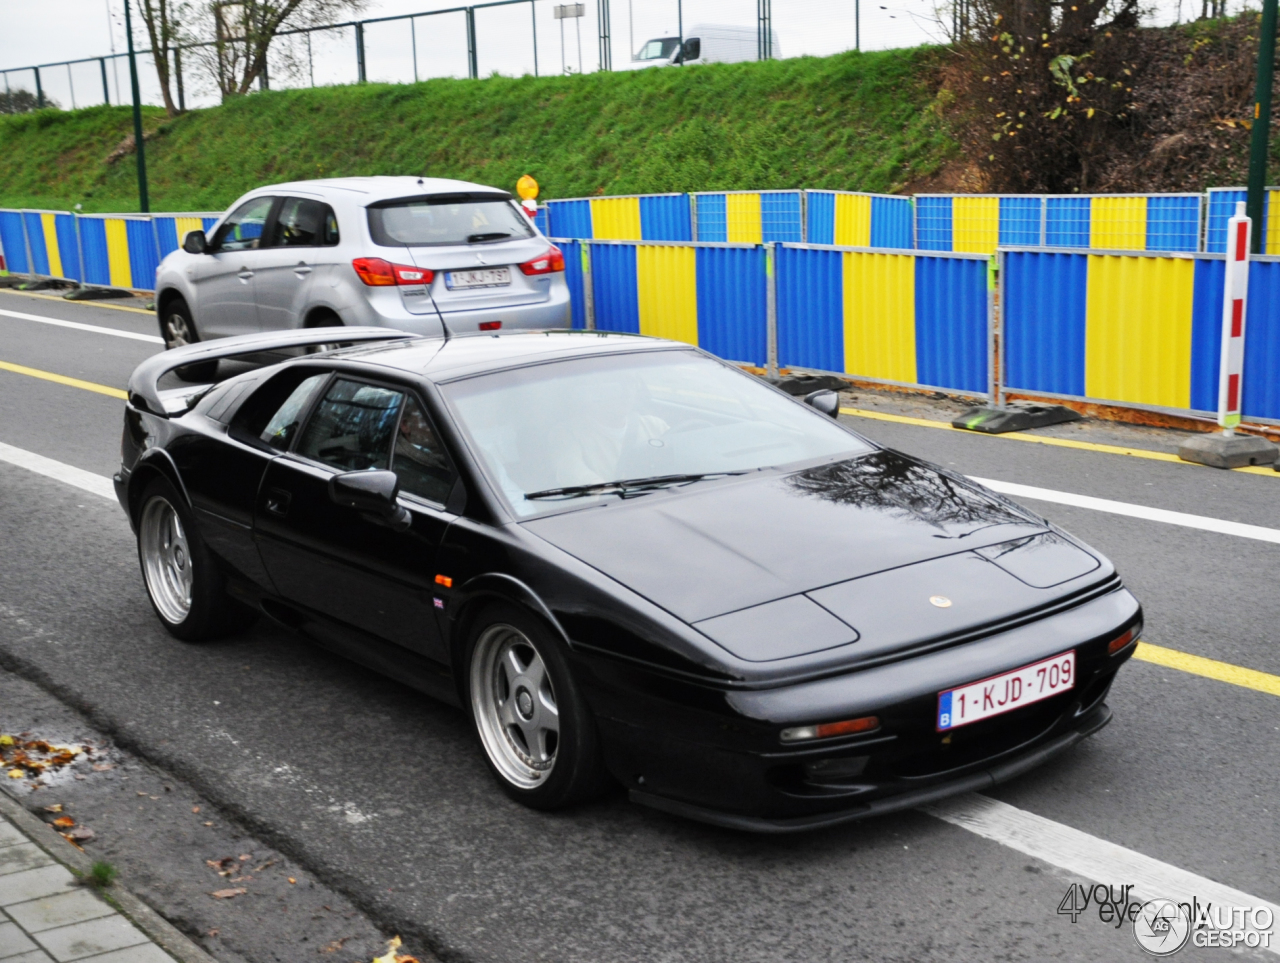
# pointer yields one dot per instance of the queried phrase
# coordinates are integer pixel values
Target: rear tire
(185, 585)
(538, 736)
(177, 327)
(325, 320)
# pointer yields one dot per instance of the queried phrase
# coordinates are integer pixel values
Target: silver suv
(425, 255)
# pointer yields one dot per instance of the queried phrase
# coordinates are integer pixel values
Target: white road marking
(1087, 856)
(78, 326)
(1202, 522)
(68, 474)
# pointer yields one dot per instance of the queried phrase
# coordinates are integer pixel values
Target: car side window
(420, 461)
(242, 230)
(303, 222)
(353, 426)
(283, 425)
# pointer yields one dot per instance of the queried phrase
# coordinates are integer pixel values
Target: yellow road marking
(1209, 668)
(63, 380)
(91, 304)
(1044, 440)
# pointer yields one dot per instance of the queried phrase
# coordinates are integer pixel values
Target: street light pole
(1260, 144)
(143, 201)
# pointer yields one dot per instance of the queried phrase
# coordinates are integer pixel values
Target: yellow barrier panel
(880, 316)
(853, 221)
(185, 225)
(975, 224)
(118, 252)
(742, 217)
(1138, 330)
(49, 226)
(615, 218)
(1272, 245)
(667, 289)
(1118, 223)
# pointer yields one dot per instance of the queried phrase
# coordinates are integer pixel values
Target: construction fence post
(771, 308)
(588, 284)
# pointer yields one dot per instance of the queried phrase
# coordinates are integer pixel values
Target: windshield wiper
(627, 485)
(491, 236)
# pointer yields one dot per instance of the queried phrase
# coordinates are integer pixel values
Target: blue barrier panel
(93, 242)
(68, 245)
(573, 277)
(666, 217)
(540, 220)
(810, 308)
(166, 229)
(1222, 207)
(713, 218)
(820, 227)
(933, 223)
(1066, 221)
(1206, 333)
(209, 222)
(1173, 222)
(891, 223)
(951, 323)
(1262, 342)
(780, 217)
(13, 239)
(733, 303)
(35, 240)
(569, 218)
(1020, 221)
(615, 295)
(144, 257)
(1044, 301)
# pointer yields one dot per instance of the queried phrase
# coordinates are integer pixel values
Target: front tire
(537, 733)
(178, 328)
(186, 587)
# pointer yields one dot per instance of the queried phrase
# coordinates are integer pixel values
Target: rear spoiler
(144, 391)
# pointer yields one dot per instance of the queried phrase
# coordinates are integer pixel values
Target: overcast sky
(53, 30)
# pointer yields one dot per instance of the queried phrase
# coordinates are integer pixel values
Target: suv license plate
(1006, 692)
(485, 278)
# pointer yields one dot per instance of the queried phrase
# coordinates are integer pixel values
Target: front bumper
(719, 759)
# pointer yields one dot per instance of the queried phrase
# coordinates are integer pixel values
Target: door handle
(302, 270)
(278, 501)
(245, 274)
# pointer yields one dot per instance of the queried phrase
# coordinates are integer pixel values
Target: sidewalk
(45, 917)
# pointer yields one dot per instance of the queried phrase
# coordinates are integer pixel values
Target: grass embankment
(853, 122)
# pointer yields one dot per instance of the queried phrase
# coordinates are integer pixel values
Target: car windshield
(593, 421)
(658, 49)
(430, 221)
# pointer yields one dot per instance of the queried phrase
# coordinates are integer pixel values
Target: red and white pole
(1234, 309)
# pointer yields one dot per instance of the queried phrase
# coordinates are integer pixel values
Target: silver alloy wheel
(177, 331)
(515, 706)
(166, 559)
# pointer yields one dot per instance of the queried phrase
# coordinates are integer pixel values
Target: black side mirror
(195, 243)
(373, 492)
(825, 400)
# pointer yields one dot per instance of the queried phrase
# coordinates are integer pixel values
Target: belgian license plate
(1004, 693)
(484, 278)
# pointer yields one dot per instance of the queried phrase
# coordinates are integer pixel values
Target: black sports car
(624, 557)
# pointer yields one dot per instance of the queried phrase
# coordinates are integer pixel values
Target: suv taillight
(376, 272)
(547, 263)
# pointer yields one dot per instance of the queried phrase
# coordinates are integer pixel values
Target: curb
(161, 931)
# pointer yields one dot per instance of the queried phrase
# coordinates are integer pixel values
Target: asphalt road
(378, 802)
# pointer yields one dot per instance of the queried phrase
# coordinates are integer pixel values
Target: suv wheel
(178, 328)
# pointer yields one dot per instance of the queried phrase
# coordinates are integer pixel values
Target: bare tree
(164, 19)
(237, 35)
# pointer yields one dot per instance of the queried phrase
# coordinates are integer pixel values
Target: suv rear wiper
(491, 236)
(627, 485)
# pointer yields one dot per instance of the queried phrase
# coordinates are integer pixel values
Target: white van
(704, 43)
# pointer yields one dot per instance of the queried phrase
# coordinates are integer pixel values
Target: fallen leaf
(393, 944)
(228, 893)
(64, 822)
(292, 880)
(16, 773)
(103, 766)
(270, 862)
(335, 945)
(81, 834)
(195, 809)
(208, 824)
(6, 740)
(55, 808)
(244, 856)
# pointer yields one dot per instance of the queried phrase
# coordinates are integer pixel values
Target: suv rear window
(425, 221)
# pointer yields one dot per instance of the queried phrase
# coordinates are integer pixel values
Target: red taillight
(490, 325)
(547, 263)
(376, 272)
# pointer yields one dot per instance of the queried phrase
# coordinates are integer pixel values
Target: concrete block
(46, 914)
(142, 953)
(35, 956)
(13, 941)
(1015, 416)
(10, 836)
(90, 938)
(34, 884)
(1219, 450)
(14, 859)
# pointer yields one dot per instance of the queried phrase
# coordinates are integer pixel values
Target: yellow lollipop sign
(527, 188)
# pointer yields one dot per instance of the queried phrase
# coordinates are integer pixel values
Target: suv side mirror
(372, 492)
(825, 400)
(195, 243)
